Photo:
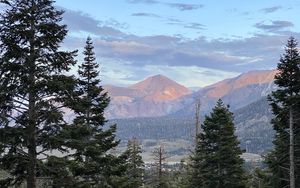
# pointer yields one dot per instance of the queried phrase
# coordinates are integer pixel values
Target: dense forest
(253, 127)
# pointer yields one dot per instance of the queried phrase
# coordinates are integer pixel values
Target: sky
(194, 42)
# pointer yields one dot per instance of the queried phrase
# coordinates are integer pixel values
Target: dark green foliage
(32, 86)
(179, 178)
(134, 174)
(259, 178)
(216, 161)
(285, 97)
(91, 162)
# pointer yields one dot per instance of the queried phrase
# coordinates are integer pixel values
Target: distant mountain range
(159, 96)
(161, 111)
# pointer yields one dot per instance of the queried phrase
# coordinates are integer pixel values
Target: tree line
(36, 139)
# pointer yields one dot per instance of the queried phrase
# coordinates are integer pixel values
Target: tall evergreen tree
(32, 86)
(283, 161)
(134, 173)
(216, 161)
(88, 136)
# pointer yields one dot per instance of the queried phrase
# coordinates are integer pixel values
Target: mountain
(160, 96)
(245, 80)
(253, 126)
(160, 88)
(237, 92)
(151, 97)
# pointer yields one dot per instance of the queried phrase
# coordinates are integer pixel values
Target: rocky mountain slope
(160, 96)
(151, 97)
(236, 92)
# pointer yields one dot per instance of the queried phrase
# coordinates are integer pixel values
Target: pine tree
(260, 178)
(197, 163)
(134, 173)
(32, 86)
(216, 161)
(285, 102)
(88, 135)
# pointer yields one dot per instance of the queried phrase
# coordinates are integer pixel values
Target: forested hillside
(253, 127)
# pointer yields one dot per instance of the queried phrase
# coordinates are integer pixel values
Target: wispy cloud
(174, 21)
(80, 22)
(144, 14)
(260, 51)
(271, 9)
(274, 26)
(179, 6)
(185, 7)
(115, 24)
(196, 26)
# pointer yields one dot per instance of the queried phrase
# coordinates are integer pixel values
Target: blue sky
(195, 42)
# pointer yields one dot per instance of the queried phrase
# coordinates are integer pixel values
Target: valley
(156, 117)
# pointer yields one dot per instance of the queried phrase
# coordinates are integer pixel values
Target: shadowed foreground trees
(33, 87)
(91, 162)
(283, 161)
(216, 161)
(135, 170)
(35, 92)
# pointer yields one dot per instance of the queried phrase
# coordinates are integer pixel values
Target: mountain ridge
(150, 97)
(158, 95)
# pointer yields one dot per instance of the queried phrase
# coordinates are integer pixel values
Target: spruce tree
(283, 161)
(32, 87)
(216, 161)
(88, 135)
(134, 173)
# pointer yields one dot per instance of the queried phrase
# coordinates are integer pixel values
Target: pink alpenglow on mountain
(159, 96)
(149, 98)
(222, 88)
(160, 88)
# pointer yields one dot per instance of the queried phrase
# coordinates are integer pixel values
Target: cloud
(271, 9)
(179, 6)
(274, 26)
(185, 7)
(115, 24)
(174, 21)
(79, 22)
(196, 26)
(261, 51)
(126, 48)
(238, 55)
(143, 14)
